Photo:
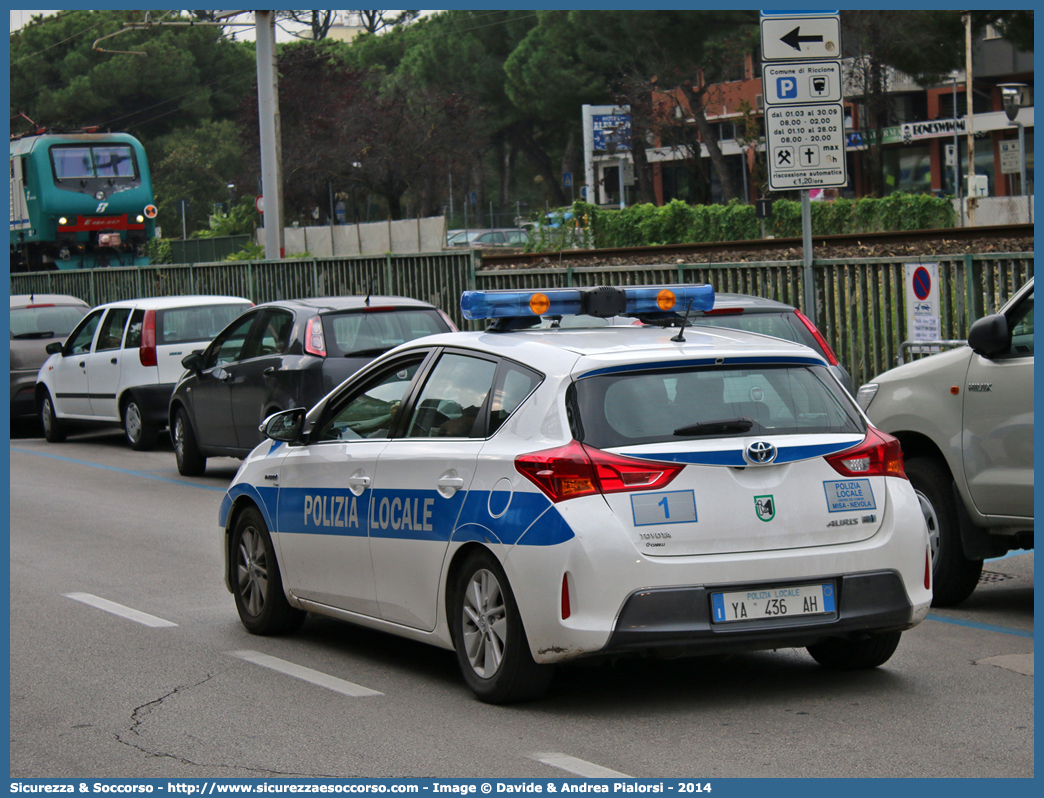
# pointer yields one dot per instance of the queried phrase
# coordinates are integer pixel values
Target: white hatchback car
(529, 497)
(120, 363)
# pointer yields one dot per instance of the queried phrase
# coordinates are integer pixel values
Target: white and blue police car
(532, 495)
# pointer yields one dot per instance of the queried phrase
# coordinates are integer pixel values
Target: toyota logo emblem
(761, 452)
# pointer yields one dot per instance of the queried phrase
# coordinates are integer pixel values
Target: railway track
(873, 243)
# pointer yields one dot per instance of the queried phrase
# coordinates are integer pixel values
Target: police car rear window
(673, 405)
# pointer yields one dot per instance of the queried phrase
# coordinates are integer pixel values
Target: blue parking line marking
(118, 470)
(986, 627)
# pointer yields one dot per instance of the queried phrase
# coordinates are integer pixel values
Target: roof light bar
(632, 300)
(515, 304)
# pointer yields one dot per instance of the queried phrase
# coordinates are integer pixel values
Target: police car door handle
(359, 482)
(456, 483)
(113, 360)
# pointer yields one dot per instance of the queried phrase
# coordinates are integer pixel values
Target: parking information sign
(806, 146)
(922, 302)
(804, 115)
(798, 83)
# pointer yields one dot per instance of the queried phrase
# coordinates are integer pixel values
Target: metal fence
(861, 302)
(206, 250)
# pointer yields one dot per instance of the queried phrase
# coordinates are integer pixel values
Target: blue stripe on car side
(264, 498)
(529, 519)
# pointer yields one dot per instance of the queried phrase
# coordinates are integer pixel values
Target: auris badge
(765, 506)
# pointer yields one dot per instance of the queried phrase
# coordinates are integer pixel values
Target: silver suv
(965, 421)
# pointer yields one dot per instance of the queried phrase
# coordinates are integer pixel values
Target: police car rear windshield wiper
(740, 424)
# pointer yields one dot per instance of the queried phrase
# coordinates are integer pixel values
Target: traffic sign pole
(804, 115)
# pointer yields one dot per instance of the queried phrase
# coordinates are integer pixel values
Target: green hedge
(680, 223)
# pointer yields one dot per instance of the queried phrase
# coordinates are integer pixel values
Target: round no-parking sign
(922, 283)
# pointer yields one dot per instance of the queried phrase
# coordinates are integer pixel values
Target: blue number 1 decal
(666, 509)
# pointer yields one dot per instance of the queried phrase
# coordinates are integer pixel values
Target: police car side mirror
(54, 348)
(285, 425)
(989, 336)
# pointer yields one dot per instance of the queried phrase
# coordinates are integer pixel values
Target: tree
(318, 22)
(196, 165)
(344, 126)
(579, 57)
(186, 76)
(463, 53)
(376, 21)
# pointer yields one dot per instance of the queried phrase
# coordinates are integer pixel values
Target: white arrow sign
(798, 38)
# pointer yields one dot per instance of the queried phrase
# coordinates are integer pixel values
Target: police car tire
(191, 461)
(853, 655)
(954, 576)
(141, 436)
(54, 430)
(256, 582)
(518, 677)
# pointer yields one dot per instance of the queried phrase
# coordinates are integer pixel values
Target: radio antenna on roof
(680, 337)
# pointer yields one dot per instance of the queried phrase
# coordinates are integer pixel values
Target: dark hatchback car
(769, 317)
(280, 355)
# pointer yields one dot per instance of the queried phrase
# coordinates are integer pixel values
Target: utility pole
(268, 121)
(972, 200)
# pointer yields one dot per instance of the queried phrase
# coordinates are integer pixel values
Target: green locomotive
(79, 200)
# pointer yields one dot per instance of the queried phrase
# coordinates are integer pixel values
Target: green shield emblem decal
(765, 506)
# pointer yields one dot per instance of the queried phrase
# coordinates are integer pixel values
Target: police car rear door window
(452, 401)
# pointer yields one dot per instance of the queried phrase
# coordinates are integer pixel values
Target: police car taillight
(147, 348)
(879, 455)
(315, 343)
(575, 470)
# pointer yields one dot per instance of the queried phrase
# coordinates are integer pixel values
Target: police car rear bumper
(681, 617)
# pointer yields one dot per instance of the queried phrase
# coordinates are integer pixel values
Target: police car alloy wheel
(257, 585)
(54, 432)
(491, 644)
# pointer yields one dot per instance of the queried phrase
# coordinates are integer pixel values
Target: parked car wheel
(256, 582)
(54, 430)
(140, 435)
(954, 576)
(191, 461)
(853, 655)
(491, 644)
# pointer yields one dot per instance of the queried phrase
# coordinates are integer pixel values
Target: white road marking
(1020, 663)
(305, 674)
(578, 766)
(119, 609)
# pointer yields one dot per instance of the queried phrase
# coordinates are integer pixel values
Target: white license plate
(772, 602)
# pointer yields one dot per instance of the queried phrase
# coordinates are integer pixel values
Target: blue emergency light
(603, 301)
